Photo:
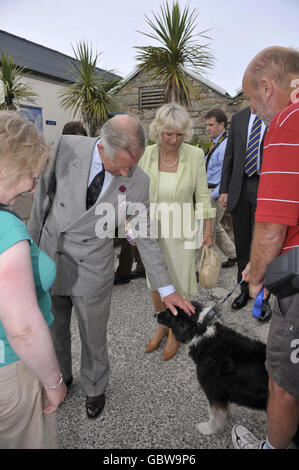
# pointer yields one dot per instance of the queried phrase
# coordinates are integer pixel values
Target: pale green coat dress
(188, 183)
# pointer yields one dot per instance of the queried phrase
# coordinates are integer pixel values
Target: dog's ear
(197, 306)
(165, 318)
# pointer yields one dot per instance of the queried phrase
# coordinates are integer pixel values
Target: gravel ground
(150, 403)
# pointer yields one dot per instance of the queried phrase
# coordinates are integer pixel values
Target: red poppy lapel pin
(122, 188)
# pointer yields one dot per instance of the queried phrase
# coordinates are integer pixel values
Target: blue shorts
(282, 361)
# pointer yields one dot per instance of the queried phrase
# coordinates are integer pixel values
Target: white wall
(47, 90)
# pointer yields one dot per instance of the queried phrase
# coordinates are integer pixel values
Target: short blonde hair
(23, 148)
(171, 116)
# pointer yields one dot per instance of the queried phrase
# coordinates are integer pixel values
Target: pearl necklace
(167, 164)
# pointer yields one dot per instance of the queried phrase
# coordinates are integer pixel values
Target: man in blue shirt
(216, 121)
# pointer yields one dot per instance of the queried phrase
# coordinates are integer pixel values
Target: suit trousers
(128, 254)
(92, 316)
(222, 239)
(243, 223)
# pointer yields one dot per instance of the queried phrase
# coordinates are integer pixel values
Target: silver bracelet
(55, 386)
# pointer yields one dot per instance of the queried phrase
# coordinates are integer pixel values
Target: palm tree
(179, 48)
(90, 95)
(13, 90)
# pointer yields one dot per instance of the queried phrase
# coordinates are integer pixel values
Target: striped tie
(250, 166)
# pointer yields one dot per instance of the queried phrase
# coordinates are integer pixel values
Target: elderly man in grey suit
(90, 186)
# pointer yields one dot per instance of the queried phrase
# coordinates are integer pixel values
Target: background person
(177, 175)
(74, 128)
(31, 386)
(128, 254)
(216, 121)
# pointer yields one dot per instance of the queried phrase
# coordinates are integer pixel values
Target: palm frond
(179, 47)
(91, 94)
(13, 88)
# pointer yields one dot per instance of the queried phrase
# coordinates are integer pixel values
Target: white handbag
(209, 267)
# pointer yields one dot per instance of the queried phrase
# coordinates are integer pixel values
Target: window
(151, 96)
(34, 114)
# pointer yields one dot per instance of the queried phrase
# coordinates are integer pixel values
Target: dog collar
(211, 317)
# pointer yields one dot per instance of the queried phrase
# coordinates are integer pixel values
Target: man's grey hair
(123, 132)
(278, 63)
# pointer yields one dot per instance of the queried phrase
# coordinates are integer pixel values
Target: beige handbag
(209, 267)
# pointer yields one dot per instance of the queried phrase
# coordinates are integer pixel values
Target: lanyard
(210, 152)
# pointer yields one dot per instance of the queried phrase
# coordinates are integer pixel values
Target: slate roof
(197, 76)
(40, 59)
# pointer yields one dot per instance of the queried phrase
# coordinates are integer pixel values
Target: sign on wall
(34, 114)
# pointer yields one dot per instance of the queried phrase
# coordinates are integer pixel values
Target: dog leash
(258, 304)
(214, 312)
(230, 293)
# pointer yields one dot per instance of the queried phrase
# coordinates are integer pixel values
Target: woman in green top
(31, 386)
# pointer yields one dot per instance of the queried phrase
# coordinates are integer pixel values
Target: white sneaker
(244, 439)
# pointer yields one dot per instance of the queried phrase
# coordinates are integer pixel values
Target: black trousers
(243, 223)
(128, 254)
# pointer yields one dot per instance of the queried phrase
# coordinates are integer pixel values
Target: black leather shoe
(229, 263)
(240, 301)
(136, 274)
(266, 312)
(95, 405)
(119, 279)
(69, 382)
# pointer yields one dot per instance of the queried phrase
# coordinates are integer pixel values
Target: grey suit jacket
(80, 241)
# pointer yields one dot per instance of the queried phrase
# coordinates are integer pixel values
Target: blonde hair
(23, 148)
(171, 116)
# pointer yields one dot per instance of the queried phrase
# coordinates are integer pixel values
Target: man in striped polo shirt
(270, 82)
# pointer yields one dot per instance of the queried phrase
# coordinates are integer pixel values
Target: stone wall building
(138, 95)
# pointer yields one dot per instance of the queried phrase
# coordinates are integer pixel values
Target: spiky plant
(13, 90)
(90, 95)
(174, 29)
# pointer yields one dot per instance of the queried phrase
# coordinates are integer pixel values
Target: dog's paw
(206, 428)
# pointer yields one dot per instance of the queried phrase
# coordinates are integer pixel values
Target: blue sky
(238, 29)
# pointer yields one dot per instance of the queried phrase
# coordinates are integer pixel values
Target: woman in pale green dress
(177, 180)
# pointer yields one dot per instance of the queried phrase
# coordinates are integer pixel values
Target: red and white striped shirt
(278, 192)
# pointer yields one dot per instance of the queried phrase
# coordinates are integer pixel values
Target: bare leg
(283, 416)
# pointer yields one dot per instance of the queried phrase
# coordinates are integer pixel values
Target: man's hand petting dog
(175, 299)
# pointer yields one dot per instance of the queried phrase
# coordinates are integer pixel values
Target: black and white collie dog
(230, 366)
